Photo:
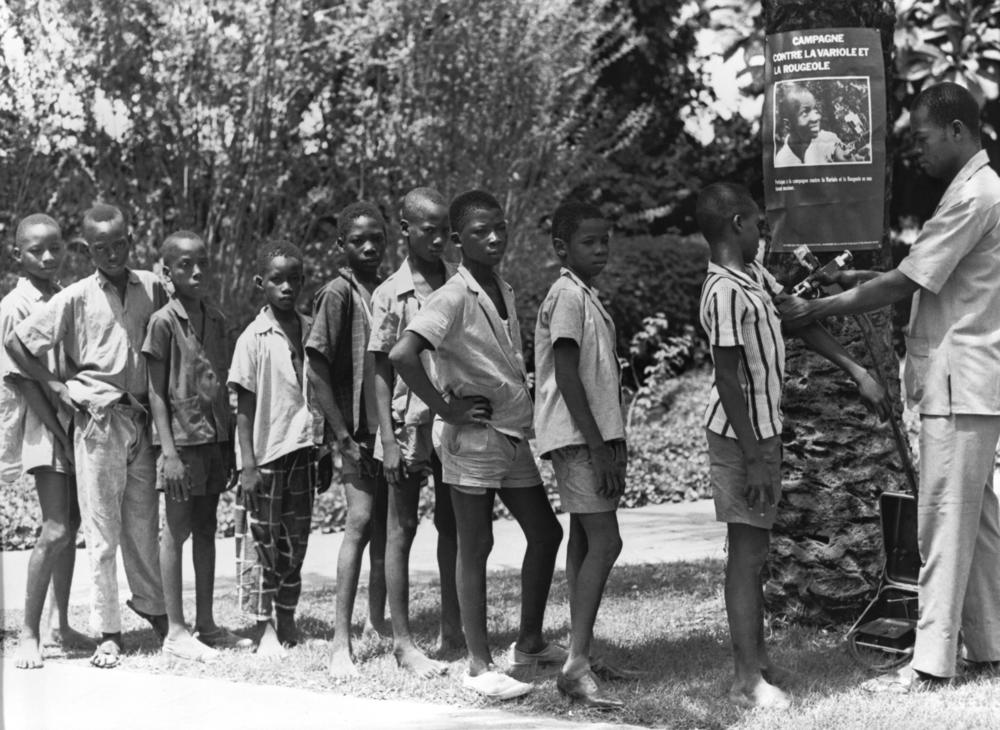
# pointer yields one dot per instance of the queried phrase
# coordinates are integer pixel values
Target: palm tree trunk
(826, 552)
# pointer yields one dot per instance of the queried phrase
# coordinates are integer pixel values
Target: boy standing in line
(578, 420)
(35, 438)
(100, 321)
(406, 446)
(743, 419)
(276, 435)
(471, 324)
(187, 353)
(343, 377)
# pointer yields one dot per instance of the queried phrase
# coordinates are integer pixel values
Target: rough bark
(826, 552)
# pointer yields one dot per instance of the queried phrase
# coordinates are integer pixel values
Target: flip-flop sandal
(158, 622)
(223, 638)
(107, 655)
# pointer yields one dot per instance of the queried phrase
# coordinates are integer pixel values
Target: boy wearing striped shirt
(743, 420)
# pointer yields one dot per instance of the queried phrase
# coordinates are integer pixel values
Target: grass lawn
(665, 619)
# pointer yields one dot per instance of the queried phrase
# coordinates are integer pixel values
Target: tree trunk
(826, 552)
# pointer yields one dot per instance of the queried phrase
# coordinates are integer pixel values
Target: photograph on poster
(822, 121)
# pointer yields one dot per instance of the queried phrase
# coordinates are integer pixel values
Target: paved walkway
(66, 693)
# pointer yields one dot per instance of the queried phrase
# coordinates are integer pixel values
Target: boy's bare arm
(36, 370)
(566, 353)
(41, 406)
(823, 343)
(174, 471)
(250, 480)
(322, 388)
(391, 463)
(727, 382)
(405, 357)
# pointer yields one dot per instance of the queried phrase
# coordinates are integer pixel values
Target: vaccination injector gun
(810, 287)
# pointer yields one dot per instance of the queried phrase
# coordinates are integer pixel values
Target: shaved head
(31, 221)
(101, 217)
(418, 200)
(716, 206)
(173, 245)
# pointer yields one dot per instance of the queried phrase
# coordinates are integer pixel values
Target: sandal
(189, 649)
(904, 681)
(107, 655)
(158, 622)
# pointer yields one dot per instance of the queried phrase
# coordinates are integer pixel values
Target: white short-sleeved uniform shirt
(263, 364)
(477, 352)
(953, 341)
(737, 310)
(571, 310)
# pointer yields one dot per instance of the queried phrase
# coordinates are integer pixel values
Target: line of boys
(110, 356)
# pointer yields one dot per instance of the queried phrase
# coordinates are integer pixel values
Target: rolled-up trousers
(958, 532)
(119, 505)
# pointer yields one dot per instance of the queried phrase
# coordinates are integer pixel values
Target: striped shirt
(737, 311)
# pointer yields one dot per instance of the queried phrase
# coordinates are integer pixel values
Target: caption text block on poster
(824, 139)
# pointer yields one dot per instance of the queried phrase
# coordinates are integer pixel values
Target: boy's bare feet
(108, 652)
(288, 633)
(776, 675)
(269, 645)
(376, 630)
(219, 637)
(28, 654)
(70, 640)
(413, 660)
(158, 621)
(449, 643)
(762, 694)
(341, 666)
(188, 648)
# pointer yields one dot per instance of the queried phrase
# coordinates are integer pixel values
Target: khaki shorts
(475, 458)
(207, 468)
(728, 473)
(417, 444)
(366, 468)
(40, 451)
(577, 480)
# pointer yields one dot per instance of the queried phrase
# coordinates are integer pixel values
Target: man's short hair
(355, 210)
(465, 204)
(790, 100)
(30, 221)
(567, 218)
(418, 200)
(276, 249)
(102, 213)
(716, 206)
(946, 102)
(168, 251)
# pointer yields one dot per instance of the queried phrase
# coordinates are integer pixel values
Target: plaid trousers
(271, 540)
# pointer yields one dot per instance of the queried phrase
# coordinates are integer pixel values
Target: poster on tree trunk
(824, 139)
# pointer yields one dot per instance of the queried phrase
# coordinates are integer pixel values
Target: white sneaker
(496, 685)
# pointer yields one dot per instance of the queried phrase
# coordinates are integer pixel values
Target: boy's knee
(610, 548)
(55, 536)
(548, 538)
(479, 547)
(404, 529)
(204, 526)
(358, 526)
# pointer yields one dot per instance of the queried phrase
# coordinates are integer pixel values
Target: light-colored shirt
(197, 360)
(820, 151)
(572, 311)
(737, 310)
(264, 364)
(476, 353)
(100, 334)
(16, 419)
(953, 341)
(395, 303)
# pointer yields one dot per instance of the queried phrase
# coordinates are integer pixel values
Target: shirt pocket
(188, 422)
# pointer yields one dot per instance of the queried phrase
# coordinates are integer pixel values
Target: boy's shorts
(728, 472)
(417, 443)
(367, 468)
(40, 452)
(207, 468)
(475, 458)
(577, 480)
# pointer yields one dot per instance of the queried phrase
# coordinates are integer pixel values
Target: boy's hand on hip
(758, 492)
(874, 396)
(464, 411)
(392, 463)
(251, 483)
(610, 483)
(175, 478)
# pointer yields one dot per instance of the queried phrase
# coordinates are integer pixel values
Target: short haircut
(30, 221)
(168, 251)
(468, 202)
(791, 100)
(355, 210)
(419, 199)
(101, 213)
(716, 206)
(946, 102)
(567, 218)
(274, 250)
